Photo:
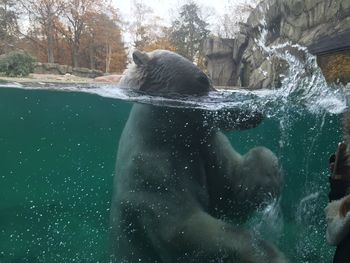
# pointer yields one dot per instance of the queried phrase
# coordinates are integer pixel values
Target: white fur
(136, 79)
(337, 226)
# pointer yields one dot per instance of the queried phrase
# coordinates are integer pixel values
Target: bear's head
(165, 72)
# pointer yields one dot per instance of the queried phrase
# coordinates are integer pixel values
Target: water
(57, 160)
(58, 152)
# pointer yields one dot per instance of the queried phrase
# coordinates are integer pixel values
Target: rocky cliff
(323, 26)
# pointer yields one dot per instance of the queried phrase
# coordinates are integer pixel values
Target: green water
(57, 157)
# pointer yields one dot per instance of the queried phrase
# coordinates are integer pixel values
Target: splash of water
(266, 100)
(269, 221)
(303, 86)
(306, 208)
(222, 99)
(304, 83)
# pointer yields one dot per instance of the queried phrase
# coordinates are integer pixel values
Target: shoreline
(48, 79)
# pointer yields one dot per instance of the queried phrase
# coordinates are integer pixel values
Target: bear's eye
(203, 79)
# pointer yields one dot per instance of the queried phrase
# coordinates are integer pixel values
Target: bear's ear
(140, 58)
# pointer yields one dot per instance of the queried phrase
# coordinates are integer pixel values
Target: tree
(147, 30)
(46, 13)
(160, 43)
(8, 25)
(139, 28)
(229, 23)
(188, 31)
(71, 32)
(159, 37)
(33, 43)
(76, 15)
(103, 42)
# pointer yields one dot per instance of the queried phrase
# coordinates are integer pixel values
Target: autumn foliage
(89, 33)
(80, 33)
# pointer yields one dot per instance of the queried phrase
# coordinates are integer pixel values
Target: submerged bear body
(178, 178)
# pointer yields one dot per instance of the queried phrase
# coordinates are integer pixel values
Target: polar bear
(178, 181)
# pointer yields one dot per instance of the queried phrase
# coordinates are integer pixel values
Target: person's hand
(340, 163)
(345, 206)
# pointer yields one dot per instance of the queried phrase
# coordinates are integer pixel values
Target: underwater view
(58, 153)
(160, 143)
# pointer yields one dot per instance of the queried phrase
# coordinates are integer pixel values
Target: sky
(165, 9)
(162, 7)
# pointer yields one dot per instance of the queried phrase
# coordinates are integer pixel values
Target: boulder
(57, 69)
(221, 66)
(345, 5)
(323, 26)
(86, 73)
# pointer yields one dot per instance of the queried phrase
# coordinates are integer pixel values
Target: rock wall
(323, 26)
(53, 68)
(224, 58)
